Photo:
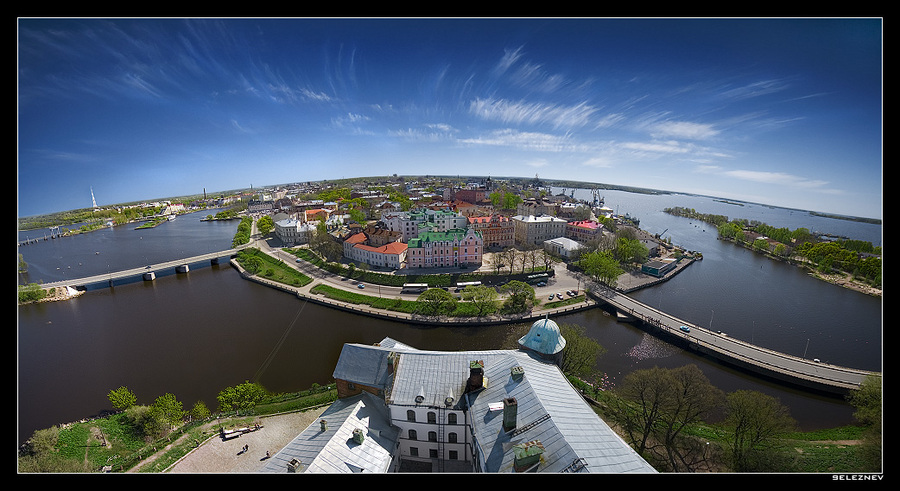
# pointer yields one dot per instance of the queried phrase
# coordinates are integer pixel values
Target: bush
(31, 292)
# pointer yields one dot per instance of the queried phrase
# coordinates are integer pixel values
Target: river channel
(194, 334)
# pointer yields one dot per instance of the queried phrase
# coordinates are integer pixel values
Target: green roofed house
(451, 248)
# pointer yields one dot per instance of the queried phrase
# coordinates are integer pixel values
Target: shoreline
(628, 282)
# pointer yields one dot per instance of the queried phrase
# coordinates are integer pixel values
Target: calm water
(194, 334)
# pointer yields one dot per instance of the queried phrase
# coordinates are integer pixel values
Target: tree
(435, 301)
(638, 411)
(655, 407)
(122, 398)
(508, 257)
(199, 411)
(546, 258)
(511, 200)
(868, 403)
(241, 397)
(496, 199)
(520, 297)
(31, 292)
(265, 224)
(496, 261)
(694, 397)
(357, 215)
(165, 413)
(581, 353)
(532, 255)
(754, 420)
(630, 250)
(322, 243)
(249, 261)
(484, 298)
(760, 244)
(602, 267)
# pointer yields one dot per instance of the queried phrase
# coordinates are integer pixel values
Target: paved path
(226, 456)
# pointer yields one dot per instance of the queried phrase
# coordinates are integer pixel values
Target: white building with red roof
(390, 256)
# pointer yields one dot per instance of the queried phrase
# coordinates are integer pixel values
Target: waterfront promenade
(563, 281)
(798, 371)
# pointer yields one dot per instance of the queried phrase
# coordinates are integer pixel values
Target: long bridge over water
(795, 370)
(148, 273)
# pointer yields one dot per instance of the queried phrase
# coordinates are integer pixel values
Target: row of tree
(242, 236)
(167, 412)
(856, 257)
(484, 300)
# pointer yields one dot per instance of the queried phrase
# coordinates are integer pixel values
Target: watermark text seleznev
(856, 477)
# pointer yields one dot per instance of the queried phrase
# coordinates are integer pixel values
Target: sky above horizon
(784, 112)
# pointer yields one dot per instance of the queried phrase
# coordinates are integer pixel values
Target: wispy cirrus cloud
(773, 178)
(666, 147)
(429, 132)
(755, 89)
(525, 140)
(554, 115)
(349, 119)
(779, 178)
(683, 129)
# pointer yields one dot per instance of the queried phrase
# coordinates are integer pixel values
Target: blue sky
(786, 112)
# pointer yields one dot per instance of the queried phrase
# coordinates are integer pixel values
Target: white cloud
(683, 129)
(524, 140)
(598, 162)
(555, 115)
(657, 147)
(508, 59)
(780, 178)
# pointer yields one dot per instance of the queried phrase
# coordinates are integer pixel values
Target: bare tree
(656, 406)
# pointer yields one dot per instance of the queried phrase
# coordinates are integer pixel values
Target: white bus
(414, 287)
(461, 286)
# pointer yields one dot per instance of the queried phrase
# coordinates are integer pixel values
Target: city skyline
(784, 112)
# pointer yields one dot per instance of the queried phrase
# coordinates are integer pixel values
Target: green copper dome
(543, 337)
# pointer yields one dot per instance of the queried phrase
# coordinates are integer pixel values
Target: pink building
(452, 248)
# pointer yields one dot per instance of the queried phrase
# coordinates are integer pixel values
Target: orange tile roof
(392, 248)
(357, 238)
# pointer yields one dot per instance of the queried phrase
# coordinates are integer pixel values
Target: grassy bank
(257, 262)
(845, 449)
(114, 444)
(111, 444)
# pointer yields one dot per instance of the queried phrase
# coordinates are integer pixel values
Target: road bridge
(795, 370)
(148, 272)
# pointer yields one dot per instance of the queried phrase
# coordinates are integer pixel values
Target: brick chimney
(476, 376)
(510, 410)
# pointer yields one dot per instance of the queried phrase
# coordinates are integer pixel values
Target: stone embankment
(564, 280)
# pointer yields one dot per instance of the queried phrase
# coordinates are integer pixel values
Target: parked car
(550, 297)
(559, 295)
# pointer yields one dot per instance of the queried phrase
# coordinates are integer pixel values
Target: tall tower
(93, 201)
